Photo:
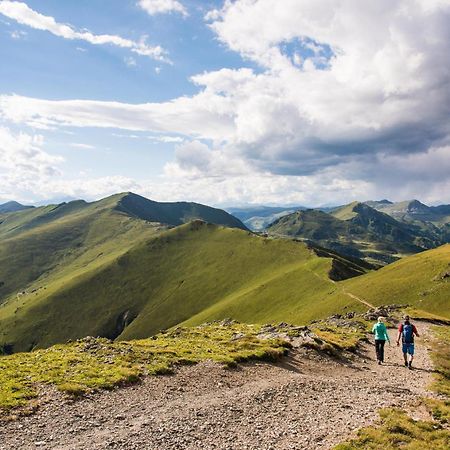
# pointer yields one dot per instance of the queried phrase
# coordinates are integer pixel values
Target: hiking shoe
(410, 365)
(406, 364)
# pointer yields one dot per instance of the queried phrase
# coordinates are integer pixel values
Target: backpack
(408, 333)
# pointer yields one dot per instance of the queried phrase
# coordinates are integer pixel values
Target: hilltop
(356, 230)
(60, 242)
(12, 206)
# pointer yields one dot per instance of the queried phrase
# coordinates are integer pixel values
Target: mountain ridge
(355, 230)
(12, 206)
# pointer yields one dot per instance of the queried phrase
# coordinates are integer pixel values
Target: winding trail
(304, 402)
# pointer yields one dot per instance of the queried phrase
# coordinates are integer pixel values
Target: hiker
(381, 336)
(406, 331)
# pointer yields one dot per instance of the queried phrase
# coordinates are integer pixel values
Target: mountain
(413, 211)
(356, 230)
(257, 218)
(378, 203)
(55, 241)
(175, 213)
(12, 207)
(190, 274)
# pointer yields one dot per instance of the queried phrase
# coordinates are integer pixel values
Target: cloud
(82, 146)
(153, 7)
(18, 34)
(166, 139)
(23, 14)
(23, 161)
(343, 93)
(130, 61)
(204, 115)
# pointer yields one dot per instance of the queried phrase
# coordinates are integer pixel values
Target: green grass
(189, 275)
(415, 281)
(397, 430)
(342, 338)
(91, 364)
(42, 244)
(45, 244)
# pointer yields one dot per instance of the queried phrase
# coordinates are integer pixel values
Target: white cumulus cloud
(23, 14)
(153, 7)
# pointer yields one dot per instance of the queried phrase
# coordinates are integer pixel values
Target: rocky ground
(307, 401)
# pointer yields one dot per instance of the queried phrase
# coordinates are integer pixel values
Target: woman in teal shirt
(381, 336)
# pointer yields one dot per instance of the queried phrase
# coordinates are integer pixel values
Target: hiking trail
(364, 302)
(307, 401)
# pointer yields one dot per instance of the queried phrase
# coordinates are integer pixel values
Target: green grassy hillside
(422, 281)
(48, 243)
(357, 230)
(53, 242)
(191, 274)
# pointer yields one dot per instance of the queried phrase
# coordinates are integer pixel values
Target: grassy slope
(44, 244)
(58, 240)
(193, 273)
(416, 280)
(92, 364)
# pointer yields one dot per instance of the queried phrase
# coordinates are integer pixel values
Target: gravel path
(305, 402)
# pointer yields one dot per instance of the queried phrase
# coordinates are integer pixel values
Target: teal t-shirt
(380, 332)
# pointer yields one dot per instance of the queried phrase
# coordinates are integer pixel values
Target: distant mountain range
(37, 242)
(257, 218)
(413, 210)
(378, 232)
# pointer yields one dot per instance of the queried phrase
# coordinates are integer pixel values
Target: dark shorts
(408, 348)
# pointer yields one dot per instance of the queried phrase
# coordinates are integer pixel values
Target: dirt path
(364, 302)
(305, 402)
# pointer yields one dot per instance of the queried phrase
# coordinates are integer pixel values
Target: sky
(227, 103)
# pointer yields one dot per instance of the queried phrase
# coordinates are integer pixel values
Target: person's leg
(382, 350)
(377, 349)
(411, 354)
(405, 353)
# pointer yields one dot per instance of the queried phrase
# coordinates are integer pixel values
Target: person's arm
(386, 334)
(400, 329)
(415, 331)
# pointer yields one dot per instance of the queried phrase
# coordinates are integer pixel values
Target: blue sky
(45, 66)
(225, 103)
